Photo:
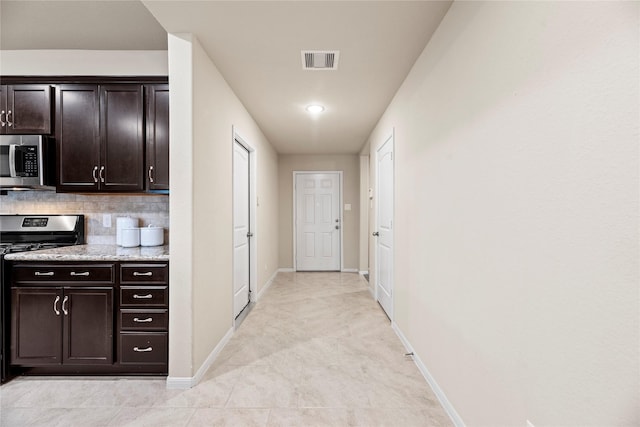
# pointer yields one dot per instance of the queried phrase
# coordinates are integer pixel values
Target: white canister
(122, 223)
(151, 236)
(130, 237)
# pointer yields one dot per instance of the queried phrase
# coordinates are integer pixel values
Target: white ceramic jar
(151, 236)
(130, 237)
(122, 223)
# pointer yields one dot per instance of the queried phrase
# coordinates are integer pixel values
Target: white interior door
(318, 222)
(241, 228)
(384, 232)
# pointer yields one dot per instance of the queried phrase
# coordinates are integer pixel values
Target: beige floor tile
(265, 386)
(230, 417)
(152, 417)
(337, 386)
(317, 417)
(405, 417)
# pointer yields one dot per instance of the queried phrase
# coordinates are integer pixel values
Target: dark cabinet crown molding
(82, 79)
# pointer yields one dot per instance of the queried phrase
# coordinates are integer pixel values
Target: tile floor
(315, 351)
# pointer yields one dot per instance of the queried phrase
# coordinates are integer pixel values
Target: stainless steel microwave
(26, 162)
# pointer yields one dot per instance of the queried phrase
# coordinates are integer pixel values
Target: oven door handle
(12, 161)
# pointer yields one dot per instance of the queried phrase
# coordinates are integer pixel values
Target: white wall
(349, 164)
(201, 204)
(83, 63)
(517, 274)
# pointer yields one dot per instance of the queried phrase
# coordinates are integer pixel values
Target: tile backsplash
(149, 209)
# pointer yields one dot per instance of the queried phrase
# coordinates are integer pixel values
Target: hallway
(315, 350)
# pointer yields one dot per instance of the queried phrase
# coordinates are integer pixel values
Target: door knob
(376, 234)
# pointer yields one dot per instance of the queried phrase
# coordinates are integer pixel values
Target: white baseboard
(184, 383)
(363, 272)
(286, 270)
(448, 407)
(266, 285)
(349, 270)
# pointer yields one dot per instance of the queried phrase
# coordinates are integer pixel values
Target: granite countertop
(94, 253)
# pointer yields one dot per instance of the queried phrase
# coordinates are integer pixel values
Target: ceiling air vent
(320, 59)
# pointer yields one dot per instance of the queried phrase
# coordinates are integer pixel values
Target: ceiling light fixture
(315, 109)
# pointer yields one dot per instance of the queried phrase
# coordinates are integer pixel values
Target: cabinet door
(28, 109)
(36, 325)
(78, 137)
(157, 137)
(3, 109)
(121, 130)
(88, 326)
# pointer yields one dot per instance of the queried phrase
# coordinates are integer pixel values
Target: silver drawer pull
(147, 296)
(45, 273)
(142, 350)
(84, 273)
(147, 320)
(148, 273)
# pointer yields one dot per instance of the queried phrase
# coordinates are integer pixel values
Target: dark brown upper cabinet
(100, 137)
(157, 141)
(25, 109)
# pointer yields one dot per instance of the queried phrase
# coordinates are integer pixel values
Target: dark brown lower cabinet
(89, 318)
(52, 326)
(88, 326)
(36, 326)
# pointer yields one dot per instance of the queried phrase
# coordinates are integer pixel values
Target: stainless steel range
(20, 233)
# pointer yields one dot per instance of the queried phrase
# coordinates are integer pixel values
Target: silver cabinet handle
(64, 301)
(147, 320)
(84, 273)
(55, 305)
(102, 174)
(148, 273)
(9, 122)
(95, 174)
(2, 122)
(150, 173)
(45, 273)
(142, 350)
(12, 161)
(147, 296)
(375, 234)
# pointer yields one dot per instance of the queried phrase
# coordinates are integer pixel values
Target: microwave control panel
(29, 161)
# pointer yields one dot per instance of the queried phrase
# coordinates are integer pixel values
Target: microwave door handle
(12, 161)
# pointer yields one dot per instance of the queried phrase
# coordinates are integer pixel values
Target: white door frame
(253, 245)
(390, 136)
(295, 231)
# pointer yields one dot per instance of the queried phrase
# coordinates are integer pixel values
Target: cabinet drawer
(144, 320)
(144, 296)
(99, 274)
(144, 273)
(143, 348)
